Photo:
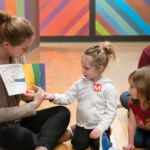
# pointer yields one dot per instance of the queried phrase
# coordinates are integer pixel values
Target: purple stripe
(27, 10)
(83, 30)
(97, 33)
(147, 2)
(44, 4)
(42, 78)
(2, 5)
(53, 14)
(74, 20)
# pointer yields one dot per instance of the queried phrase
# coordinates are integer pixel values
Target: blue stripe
(110, 20)
(133, 16)
(42, 78)
(125, 17)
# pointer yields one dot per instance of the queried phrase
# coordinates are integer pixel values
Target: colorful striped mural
(64, 17)
(34, 75)
(25, 9)
(122, 17)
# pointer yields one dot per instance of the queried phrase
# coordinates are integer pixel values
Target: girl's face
(132, 90)
(17, 51)
(90, 72)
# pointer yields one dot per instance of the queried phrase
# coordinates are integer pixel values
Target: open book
(18, 78)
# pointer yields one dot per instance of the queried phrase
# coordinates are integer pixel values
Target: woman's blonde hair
(141, 80)
(13, 29)
(101, 54)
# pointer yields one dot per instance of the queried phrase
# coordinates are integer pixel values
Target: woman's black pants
(51, 123)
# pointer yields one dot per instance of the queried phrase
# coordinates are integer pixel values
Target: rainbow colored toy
(34, 75)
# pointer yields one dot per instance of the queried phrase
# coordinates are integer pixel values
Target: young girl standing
(96, 97)
(139, 123)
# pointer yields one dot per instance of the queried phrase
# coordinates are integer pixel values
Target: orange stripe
(143, 6)
(11, 6)
(59, 26)
(51, 6)
(78, 25)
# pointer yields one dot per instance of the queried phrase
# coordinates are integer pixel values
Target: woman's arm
(17, 112)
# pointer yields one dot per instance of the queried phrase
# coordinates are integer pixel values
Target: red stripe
(106, 25)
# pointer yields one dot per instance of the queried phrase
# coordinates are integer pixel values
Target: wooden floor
(63, 68)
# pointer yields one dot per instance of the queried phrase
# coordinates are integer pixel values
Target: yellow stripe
(29, 75)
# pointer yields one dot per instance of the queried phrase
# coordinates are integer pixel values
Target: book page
(13, 78)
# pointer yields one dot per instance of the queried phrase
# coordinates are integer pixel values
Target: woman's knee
(79, 144)
(65, 112)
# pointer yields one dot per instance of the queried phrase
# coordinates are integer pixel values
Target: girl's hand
(95, 134)
(49, 96)
(39, 96)
(129, 147)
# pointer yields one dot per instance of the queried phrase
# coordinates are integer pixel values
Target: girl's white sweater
(96, 102)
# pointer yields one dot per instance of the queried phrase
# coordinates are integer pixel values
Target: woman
(20, 125)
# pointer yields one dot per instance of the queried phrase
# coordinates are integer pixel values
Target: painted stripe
(37, 76)
(52, 15)
(40, 1)
(134, 16)
(83, 30)
(29, 76)
(2, 5)
(97, 33)
(45, 3)
(143, 6)
(126, 17)
(20, 8)
(117, 18)
(87, 33)
(42, 78)
(100, 29)
(27, 10)
(52, 5)
(57, 24)
(73, 20)
(78, 25)
(138, 10)
(105, 24)
(147, 2)
(110, 20)
(11, 6)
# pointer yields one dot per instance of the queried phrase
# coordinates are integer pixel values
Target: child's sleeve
(131, 106)
(110, 110)
(67, 98)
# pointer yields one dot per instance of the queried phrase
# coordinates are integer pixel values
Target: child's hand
(129, 147)
(95, 134)
(49, 96)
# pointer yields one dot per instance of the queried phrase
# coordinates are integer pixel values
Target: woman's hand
(129, 147)
(49, 96)
(29, 96)
(39, 96)
(95, 133)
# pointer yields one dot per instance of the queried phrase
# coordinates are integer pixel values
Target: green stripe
(37, 74)
(117, 17)
(20, 8)
(100, 29)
